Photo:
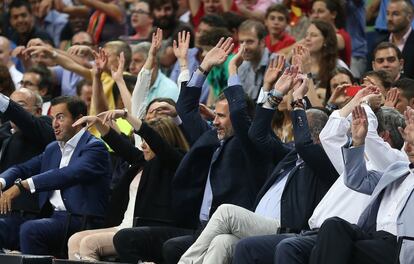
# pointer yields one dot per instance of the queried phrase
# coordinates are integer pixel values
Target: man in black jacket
(298, 181)
(23, 135)
(222, 166)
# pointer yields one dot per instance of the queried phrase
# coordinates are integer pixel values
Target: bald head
(5, 51)
(29, 100)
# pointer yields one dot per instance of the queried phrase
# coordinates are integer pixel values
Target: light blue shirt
(163, 87)
(381, 21)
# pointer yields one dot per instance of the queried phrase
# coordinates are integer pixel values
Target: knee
(88, 244)
(27, 230)
(332, 223)
(242, 251)
(120, 239)
(74, 241)
(285, 249)
(223, 242)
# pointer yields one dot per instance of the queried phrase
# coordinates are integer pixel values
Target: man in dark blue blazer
(71, 176)
(222, 166)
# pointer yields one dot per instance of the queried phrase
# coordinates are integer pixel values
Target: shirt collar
(404, 39)
(73, 141)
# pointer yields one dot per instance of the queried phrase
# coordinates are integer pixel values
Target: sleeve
(333, 136)
(140, 93)
(356, 176)
(374, 144)
(312, 154)
(167, 154)
(123, 147)
(263, 138)
(91, 164)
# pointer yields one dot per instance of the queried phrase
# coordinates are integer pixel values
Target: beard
(166, 22)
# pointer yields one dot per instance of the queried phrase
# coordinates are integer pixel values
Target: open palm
(359, 127)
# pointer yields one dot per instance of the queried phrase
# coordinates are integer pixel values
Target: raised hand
(156, 42)
(164, 108)
(300, 86)
(206, 112)
(408, 132)
(80, 51)
(181, 49)
(89, 121)
(302, 59)
(118, 73)
(237, 60)
(359, 127)
(285, 82)
(101, 60)
(218, 54)
(273, 71)
(392, 97)
(338, 96)
(107, 116)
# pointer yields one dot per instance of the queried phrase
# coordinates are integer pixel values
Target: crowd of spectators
(208, 131)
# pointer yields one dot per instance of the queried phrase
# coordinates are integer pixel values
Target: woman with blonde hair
(144, 192)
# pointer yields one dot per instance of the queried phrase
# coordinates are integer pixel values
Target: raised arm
(309, 150)
(98, 102)
(118, 76)
(181, 52)
(111, 9)
(188, 101)
(356, 175)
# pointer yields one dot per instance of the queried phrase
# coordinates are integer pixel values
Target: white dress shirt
(16, 75)
(341, 201)
(67, 151)
(392, 203)
(128, 220)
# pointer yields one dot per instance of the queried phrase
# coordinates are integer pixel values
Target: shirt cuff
(233, 80)
(261, 99)
(196, 80)
(31, 185)
(177, 120)
(3, 183)
(4, 103)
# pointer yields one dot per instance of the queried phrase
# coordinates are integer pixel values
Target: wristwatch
(18, 183)
(204, 72)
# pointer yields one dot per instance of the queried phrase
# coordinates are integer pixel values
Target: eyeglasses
(85, 43)
(388, 59)
(139, 12)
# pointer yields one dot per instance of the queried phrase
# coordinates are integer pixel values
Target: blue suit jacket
(84, 183)
(373, 183)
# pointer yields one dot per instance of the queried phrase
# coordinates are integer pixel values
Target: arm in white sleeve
(183, 77)
(333, 136)
(4, 103)
(140, 92)
(378, 152)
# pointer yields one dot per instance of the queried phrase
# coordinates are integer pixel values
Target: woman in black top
(144, 192)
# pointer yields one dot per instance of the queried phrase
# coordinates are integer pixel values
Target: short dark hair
(256, 25)
(161, 99)
(336, 6)
(386, 45)
(158, 3)
(280, 8)
(382, 75)
(46, 79)
(233, 20)
(82, 83)
(214, 21)
(74, 104)
(406, 85)
(250, 105)
(212, 37)
(18, 4)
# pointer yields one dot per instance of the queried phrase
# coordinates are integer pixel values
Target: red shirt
(346, 53)
(200, 13)
(284, 42)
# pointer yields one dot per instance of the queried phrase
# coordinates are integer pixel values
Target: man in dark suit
(71, 177)
(298, 182)
(401, 34)
(23, 135)
(222, 166)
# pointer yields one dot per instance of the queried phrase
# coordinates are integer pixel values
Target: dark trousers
(44, 236)
(341, 242)
(257, 249)
(145, 243)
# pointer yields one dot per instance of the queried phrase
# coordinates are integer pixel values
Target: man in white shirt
(390, 210)
(338, 199)
(5, 58)
(71, 176)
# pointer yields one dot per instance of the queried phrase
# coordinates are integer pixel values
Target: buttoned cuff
(4, 103)
(196, 80)
(31, 185)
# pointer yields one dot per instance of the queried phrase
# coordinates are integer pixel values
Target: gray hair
(316, 120)
(38, 100)
(142, 47)
(389, 120)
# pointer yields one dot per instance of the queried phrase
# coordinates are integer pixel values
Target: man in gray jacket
(389, 212)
